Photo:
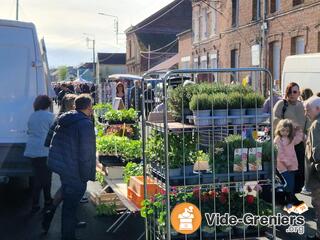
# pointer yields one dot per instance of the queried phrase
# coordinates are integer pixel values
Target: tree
(63, 70)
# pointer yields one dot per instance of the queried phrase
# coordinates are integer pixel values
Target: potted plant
(129, 116)
(101, 108)
(219, 106)
(200, 105)
(253, 102)
(235, 101)
(113, 117)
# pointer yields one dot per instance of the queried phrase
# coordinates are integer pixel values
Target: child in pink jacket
(287, 163)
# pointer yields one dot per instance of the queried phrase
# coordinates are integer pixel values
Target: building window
(234, 63)
(274, 6)
(214, 64)
(130, 49)
(204, 23)
(203, 63)
(297, 2)
(297, 45)
(196, 63)
(195, 27)
(318, 41)
(274, 60)
(255, 10)
(235, 13)
(212, 18)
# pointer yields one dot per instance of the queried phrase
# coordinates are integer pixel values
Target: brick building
(157, 33)
(254, 33)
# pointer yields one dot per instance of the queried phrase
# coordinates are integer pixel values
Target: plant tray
(108, 160)
(106, 198)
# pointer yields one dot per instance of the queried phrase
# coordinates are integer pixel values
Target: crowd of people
(66, 145)
(61, 89)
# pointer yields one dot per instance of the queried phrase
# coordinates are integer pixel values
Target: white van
(303, 69)
(22, 78)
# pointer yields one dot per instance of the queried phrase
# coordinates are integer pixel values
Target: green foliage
(177, 143)
(132, 169)
(106, 209)
(219, 101)
(121, 116)
(200, 102)
(253, 100)
(62, 72)
(100, 178)
(235, 99)
(181, 96)
(129, 116)
(119, 146)
(200, 156)
(102, 106)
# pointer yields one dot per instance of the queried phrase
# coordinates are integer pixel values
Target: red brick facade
(289, 30)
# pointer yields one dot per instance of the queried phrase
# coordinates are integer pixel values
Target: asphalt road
(17, 224)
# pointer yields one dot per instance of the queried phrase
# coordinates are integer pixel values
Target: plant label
(240, 160)
(255, 156)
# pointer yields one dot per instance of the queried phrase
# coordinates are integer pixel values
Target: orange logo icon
(186, 218)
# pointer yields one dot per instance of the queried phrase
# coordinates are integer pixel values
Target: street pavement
(17, 224)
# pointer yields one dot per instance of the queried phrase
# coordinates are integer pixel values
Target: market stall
(216, 155)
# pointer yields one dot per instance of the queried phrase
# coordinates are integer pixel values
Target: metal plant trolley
(207, 137)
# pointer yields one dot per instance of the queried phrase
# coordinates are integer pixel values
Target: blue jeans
(289, 176)
(72, 194)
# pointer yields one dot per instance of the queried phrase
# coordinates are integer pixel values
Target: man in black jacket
(72, 155)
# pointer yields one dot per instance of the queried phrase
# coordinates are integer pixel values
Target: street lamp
(116, 23)
(93, 52)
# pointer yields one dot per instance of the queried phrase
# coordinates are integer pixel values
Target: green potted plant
(101, 108)
(132, 169)
(235, 104)
(200, 105)
(113, 116)
(219, 108)
(253, 102)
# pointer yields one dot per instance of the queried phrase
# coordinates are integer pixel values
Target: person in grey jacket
(72, 156)
(38, 126)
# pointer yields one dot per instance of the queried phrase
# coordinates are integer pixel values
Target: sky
(65, 24)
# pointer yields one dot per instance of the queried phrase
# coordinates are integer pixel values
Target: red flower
(225, 190)
(222, 199)
(250, 199)
(196, 192)
(212, 194)
(205, 197)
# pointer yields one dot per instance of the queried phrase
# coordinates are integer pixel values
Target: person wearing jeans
(72, 155)
(38, 126)
(71, 199)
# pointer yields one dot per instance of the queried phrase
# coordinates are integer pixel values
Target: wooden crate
(106, 198)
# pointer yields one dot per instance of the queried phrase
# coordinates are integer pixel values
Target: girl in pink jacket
(287, 163)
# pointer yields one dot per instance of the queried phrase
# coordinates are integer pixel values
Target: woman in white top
(38, 126)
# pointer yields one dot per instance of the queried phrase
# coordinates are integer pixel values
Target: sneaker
(289, 208)
(304, 191)
(84, 199)
(47, 219)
